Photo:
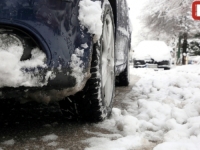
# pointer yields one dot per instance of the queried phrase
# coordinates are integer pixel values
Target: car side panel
(123, 35)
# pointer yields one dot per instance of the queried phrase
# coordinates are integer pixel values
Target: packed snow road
(158, 111)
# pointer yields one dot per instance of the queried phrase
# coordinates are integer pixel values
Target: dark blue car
(70, 51)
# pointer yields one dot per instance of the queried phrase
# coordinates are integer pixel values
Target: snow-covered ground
(159, 112)
(162, 113)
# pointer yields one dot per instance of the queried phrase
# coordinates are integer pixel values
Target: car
(152, 54)
(72, 52)
(193, 60)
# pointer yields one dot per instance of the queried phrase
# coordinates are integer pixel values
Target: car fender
(56, 28)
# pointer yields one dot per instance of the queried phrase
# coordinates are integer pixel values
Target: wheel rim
(107, 60)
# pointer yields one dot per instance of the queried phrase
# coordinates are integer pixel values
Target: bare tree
(170, 21)
(169, 18)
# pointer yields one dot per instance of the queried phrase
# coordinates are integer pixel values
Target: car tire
(94, 102)
(123, 78)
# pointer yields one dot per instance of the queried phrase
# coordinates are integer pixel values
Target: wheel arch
(25, 31)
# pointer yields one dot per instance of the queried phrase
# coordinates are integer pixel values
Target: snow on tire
(94, 102)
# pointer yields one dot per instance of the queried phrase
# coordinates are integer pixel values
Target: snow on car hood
(156, 50)
(12, 72)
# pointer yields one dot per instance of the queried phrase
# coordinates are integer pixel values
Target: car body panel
(123, 35)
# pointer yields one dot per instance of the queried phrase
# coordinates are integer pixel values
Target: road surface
(24, 126)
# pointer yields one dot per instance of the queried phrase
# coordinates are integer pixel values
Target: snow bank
(162, 112)
(156, 50)
(124, 127)
(170, 106)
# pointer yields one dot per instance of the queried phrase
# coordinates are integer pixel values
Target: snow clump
(49, 137)
(9, 142)
(90, 17)
(13, 71)
(161, 112)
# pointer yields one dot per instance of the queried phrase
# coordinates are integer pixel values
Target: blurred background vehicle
(152, 54)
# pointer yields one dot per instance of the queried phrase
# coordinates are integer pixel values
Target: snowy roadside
(161, 113)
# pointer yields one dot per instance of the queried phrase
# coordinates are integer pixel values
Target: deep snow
(162, 113)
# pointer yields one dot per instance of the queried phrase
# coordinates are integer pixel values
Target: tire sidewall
(106, 10)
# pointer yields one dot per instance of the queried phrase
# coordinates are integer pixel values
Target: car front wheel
(94, 102)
